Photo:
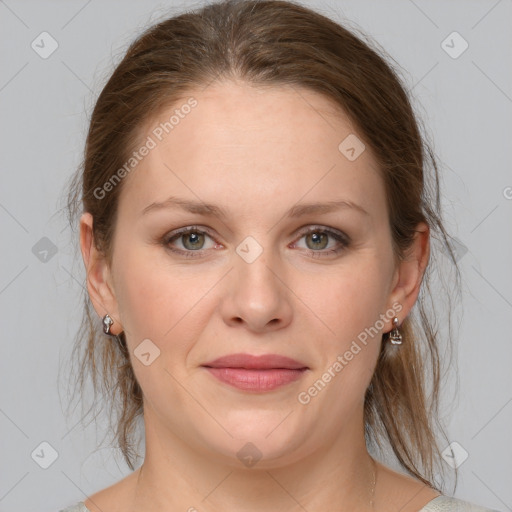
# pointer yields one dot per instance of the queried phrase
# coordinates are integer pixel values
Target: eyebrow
(212, 210)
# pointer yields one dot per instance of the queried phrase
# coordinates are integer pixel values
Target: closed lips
(257, 374)
(262, 362)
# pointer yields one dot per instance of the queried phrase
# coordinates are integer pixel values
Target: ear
(409, 274)
(99, 278)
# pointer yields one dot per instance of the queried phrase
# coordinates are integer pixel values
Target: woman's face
(251, 280)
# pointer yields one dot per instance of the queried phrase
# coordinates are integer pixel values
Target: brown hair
(275, 43)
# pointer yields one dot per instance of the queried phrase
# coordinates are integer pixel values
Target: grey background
(466, 103)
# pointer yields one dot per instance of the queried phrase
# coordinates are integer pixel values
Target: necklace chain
(372, 501)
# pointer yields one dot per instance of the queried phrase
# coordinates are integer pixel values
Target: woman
(256, 229)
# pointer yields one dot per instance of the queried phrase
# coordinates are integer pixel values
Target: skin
(256, 152)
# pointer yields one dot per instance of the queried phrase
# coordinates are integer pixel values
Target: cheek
(349, 353)
(351, 300)
(156, 305)
(350, 303)
(142, 297)
(157, 302)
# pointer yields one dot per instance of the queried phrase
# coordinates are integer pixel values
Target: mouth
(256, 373)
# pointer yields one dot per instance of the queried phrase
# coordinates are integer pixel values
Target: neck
(177, 476)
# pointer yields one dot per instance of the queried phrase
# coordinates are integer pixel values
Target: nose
(257, 296)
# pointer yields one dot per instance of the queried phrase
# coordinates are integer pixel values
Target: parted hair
(273, 43)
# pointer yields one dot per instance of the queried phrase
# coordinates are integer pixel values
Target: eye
(192, 240)
(317, 241)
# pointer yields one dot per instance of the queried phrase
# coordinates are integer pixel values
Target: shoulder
(448, 504)
(114, 498)
(407, 494)
(438, 504)
(79, 507)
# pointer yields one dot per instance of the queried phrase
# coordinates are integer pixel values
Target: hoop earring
(107, 322)
(394, 336)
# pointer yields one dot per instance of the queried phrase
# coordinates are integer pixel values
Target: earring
(395, 337)
(107, 322)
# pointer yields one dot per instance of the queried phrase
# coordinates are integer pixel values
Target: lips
(250, 362)
(256, 373)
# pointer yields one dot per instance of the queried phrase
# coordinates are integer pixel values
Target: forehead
(276, 144)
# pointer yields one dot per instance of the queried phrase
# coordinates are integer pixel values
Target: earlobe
(411, 271)
(98, 274)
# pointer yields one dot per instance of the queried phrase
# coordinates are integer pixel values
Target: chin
(260, 444)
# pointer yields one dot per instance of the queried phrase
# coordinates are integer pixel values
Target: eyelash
(342, 239)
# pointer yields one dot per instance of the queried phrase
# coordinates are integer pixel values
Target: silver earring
(107, 322)
(395, 337)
